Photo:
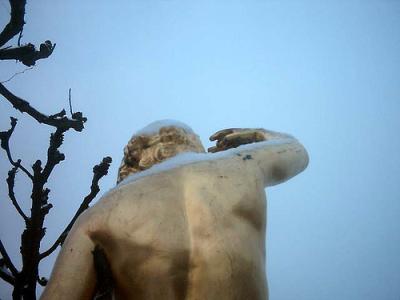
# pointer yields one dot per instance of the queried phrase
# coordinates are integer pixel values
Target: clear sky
(327, 72)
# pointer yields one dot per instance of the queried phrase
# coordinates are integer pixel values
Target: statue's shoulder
(167, 168)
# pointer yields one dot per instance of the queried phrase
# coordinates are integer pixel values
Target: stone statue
(181, 223)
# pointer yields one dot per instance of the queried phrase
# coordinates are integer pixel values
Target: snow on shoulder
(187, 158)
(154, 128)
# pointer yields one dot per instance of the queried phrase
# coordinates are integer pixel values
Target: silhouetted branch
(16, 23)
(42, 281)
(5, 273)
(7, 261)
(28, 54)
(54, 156)
(99, 171)
(25, 281)
(5, 139)
(20, 37)
(69, 101)
(6, 276)
(16, 74)
(10, 183)
(59, 120)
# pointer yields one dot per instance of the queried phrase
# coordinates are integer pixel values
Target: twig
(16, 74)
(7, 261)
(27, 54)
(5, 273)
(99, 171)
(54, 156)
(7, 277)
(5, 138)
(10, 183)
(23, 106)
(20, 37)
(16, 21)
(42, 281)
(69, 101)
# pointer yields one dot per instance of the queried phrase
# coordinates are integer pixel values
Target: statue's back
(194, 232)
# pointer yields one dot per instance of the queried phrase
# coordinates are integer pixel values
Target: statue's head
(156, 143)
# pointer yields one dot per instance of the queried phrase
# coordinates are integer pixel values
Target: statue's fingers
(238, 137)
(223, 143)
(221, 133)
(249, 135)
(214, 149)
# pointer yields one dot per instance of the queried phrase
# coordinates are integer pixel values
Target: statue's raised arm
(279, 156)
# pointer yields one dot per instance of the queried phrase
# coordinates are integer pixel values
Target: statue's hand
(234, 137)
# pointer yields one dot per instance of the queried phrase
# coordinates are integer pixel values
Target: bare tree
(25, 281)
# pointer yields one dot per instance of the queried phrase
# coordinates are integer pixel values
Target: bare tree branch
(7, 261)
(99, 171)
(20, 37)
(69, 101)
(5, 139)
(54, 156)
(58, 120)
(7, 277)
(10, 183)
(5, 273)
(27, 54)
(16, 74)
(42, 281)
(25, 281)
(16, 23)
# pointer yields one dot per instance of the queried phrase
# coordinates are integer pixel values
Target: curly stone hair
(143, 151)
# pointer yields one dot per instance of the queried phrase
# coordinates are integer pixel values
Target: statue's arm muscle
(73, 276)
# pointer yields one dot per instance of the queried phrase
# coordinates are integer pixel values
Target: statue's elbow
(304, 158)
(293, 162)
(298, 162)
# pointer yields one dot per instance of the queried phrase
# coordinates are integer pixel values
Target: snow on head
(154, 128)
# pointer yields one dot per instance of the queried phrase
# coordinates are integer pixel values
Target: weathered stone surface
(195, 231)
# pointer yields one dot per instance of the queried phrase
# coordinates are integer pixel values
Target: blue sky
(327, 72)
